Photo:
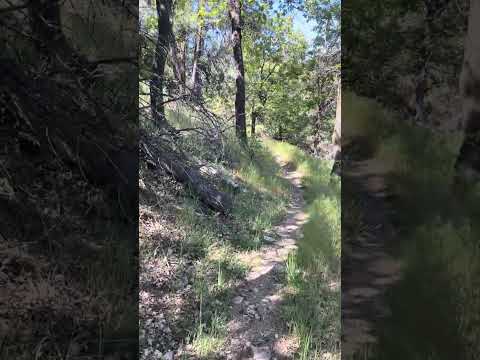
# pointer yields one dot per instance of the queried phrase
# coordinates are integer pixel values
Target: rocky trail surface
(256, 330)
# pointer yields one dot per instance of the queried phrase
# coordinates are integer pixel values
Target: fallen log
(176, 164)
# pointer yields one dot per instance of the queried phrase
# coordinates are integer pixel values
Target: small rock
(168, 355)
(269, 239)
(237, 300)
(261, 353)
(208, 170)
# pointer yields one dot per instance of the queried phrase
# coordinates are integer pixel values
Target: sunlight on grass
(209, 338)
(312, 308)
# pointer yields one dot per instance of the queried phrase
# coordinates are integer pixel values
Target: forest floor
(244, 285)
(257, 330)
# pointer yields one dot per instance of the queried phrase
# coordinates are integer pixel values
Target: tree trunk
(317, 130)
(337, 133)
(254, 121)
(164, 9)
(178, 64)
(468, 161)
(235, 17)
(197, 54)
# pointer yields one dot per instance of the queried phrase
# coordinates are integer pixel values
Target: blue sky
(300, 24)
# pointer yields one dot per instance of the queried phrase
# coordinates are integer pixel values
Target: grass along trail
(257, 330)
(262, 283)
(288, 307)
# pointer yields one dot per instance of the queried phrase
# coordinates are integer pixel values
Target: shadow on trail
(368, 269)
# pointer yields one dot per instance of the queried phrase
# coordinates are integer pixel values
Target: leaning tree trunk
(468, 161)
(164, 9)
(235, 18)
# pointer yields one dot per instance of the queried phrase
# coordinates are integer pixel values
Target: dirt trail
(367, 268)
(256, 330)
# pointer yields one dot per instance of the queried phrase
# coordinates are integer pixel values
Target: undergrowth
(208, 246)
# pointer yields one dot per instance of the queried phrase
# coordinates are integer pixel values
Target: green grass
(208, 336)
(214, 242)
(313, 307)
(364, 118)
(438, 247)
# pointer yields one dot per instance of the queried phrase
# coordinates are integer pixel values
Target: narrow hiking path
(368, 269)
(256, 330)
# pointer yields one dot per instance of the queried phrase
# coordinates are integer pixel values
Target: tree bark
(468, 161)
(197, 54)
(164, 9)
(235, 18)
(254, 121)
(178, 63)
